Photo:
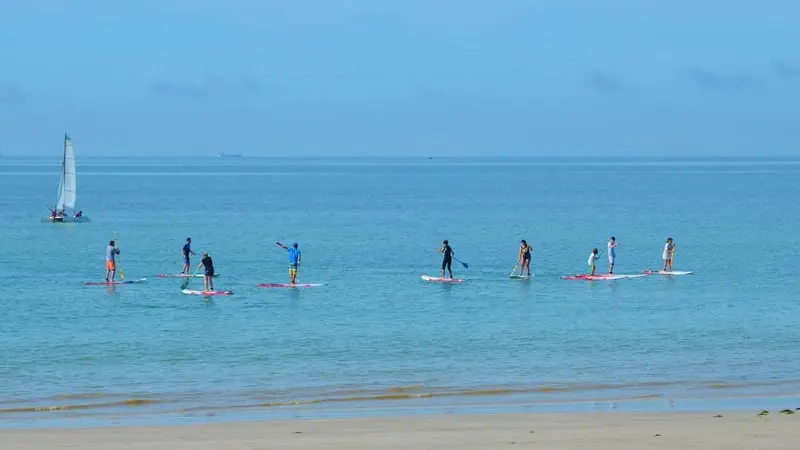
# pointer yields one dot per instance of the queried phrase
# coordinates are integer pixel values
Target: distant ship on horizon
(230, 155)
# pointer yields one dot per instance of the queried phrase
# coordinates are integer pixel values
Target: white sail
(67, 188)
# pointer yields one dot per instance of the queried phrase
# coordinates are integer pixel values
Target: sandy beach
(541, 431)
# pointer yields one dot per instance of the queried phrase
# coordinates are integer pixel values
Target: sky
(400, 78)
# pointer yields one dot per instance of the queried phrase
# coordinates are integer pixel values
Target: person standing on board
(524, 257)
(593, 260)
(295, 257)
(612, 254)
(187, 253)
(208, 273)
(111, 263)
(447, 262)
(669, 251)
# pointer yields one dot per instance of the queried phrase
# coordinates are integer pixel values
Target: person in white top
(592, 260)
(669, 251)
(612, 254)
(111, 263)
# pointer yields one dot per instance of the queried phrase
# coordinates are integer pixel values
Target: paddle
(513, 270)
(185, 283)
(121, 271)
(466, 266)
(672, 259)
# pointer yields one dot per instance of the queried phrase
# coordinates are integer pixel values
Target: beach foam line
(81, 406)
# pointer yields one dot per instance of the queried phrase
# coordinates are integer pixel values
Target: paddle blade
(185, 283)
(466, 266)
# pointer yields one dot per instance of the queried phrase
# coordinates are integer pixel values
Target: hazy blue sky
(410, 77)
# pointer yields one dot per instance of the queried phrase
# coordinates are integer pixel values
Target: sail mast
(63, 169)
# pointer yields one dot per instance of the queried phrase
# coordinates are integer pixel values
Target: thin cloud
(11, 94)
(708, 79)
(603, 82)
(210, 86)
(784, 69)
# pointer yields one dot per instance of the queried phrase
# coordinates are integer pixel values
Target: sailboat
(64, 210)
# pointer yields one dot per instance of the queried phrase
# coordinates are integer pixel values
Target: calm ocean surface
(377, 339)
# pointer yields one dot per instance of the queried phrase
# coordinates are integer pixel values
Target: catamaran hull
(66, 219)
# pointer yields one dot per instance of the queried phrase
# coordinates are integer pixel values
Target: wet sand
(598, 431)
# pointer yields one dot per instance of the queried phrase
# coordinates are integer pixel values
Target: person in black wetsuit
(525, 257)
(208, 276)
(447, 262)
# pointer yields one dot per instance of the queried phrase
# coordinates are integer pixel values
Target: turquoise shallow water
(376, 339)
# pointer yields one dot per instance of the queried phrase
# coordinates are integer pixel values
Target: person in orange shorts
(111, 263)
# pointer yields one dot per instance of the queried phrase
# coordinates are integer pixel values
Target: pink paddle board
(182, 275)
(288, 285)
(601, 277)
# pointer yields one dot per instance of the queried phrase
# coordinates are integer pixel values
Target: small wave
(57, 408)
(83, 395)
(411, 388)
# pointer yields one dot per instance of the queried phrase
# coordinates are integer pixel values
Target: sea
(377, 340)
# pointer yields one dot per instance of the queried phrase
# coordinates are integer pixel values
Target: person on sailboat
(111, 263)
(79, 215)
(187, 253)
(208, 274)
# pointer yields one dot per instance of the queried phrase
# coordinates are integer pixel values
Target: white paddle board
(205, 293)
(441, 280)
(667, 272)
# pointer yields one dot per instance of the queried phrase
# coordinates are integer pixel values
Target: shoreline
(137, 414)
(596, 430)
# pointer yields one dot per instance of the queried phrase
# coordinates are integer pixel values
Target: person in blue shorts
(295, 257)
(612, 254)
(187, 253)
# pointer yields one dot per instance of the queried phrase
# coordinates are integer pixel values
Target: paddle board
(109, 283)
(205, 293)
(183, 275)
(441, 280)
(603, 277)
(520, 277)
(288, 285)
(666, 272)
